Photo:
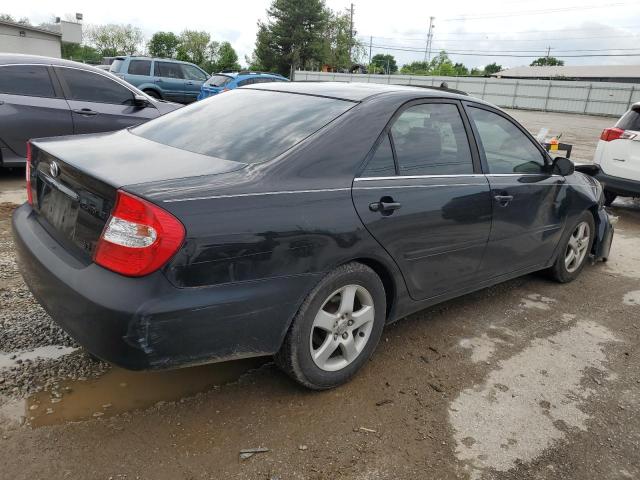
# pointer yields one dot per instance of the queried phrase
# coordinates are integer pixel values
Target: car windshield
(115, 66)
(218, 80)
(244, 125)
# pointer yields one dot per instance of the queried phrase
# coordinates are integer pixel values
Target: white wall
(34, 43)
(589, 98)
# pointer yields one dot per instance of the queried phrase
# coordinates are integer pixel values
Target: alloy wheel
(577, 247)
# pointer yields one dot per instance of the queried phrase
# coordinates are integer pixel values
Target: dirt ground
(525, 380)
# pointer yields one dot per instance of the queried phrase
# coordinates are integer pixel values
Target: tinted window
(169, 70)
(139, 67)
(116, 65)
(246, 81)
(93, 87)
(246, 126)
(506, 148)
(430, 139)
(193, 73)
(28, 80)
(630, 121)
(381, 164)
(219, 80)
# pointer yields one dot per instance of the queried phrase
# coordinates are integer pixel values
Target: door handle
(503, 200)
(86, 111)
(189, 82)
(157, 80)
(384, 206)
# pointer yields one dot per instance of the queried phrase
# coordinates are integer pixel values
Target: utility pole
(427, 50)
(370, 45)
(548, 50)
(351, 38)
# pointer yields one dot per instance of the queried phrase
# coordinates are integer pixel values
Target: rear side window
(139, 67)
(430, 139)
(116, 65)
(93, 87)
(243, 125)
(381, 164)
(506, 148)
(630, 121)
(30, 80)
(246, 81)
(193, 73)
(169, 70)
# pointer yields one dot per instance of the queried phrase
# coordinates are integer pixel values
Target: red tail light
(615, 133)
(28, 175)
(139, 237)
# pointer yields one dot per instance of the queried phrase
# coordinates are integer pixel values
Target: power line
(533, 12)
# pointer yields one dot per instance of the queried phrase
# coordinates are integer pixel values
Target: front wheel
(153, 93)
(336, 329)
(574, 249)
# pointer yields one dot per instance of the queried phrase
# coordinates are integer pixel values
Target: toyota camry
(293, 220)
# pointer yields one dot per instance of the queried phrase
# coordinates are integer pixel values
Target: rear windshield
(116, 65)
(247, 126)
(630, 121)
(218, 80)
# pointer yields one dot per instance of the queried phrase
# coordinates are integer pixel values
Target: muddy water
(122, 390)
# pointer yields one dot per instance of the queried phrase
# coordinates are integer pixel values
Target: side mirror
(140, 101)
(563, 166)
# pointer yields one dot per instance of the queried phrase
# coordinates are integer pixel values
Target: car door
(138, 72)
(529, 206)
(99, 103)
(170, 79)
(31, 106)
(424, 198)
(194, 78)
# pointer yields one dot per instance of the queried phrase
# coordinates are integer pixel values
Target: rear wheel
(336, 329)
(574, 250)
(609, 197)
(153, 93)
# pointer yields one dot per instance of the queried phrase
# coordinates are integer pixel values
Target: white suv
(618, 155)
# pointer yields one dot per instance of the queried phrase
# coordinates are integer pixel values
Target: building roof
(22, 26)
(582, 71)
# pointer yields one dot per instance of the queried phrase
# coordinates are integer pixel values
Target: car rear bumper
(141, 323)
(621, 186)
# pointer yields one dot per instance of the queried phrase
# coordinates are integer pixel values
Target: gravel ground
(525, 380)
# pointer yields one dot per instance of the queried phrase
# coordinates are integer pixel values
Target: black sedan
(293, 220)
(45, 97)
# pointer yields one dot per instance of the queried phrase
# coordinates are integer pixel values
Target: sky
(480, 32)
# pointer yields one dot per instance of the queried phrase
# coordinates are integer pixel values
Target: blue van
(163, 78)
(220, 82)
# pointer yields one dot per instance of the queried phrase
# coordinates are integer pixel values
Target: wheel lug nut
(345, 335)
(335, 336)
(350, 322)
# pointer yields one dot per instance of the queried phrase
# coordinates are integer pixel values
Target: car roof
(157, 59)
(354, 91)
(18, 58)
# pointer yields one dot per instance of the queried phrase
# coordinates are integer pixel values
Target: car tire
(609, 197)
(329, 340)
(577, 240)
(153, 93)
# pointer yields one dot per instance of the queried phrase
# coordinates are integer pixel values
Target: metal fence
(588, 98)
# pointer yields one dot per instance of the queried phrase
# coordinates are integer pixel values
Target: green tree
(227, 58)
(476, 72)
(383, 63)
(415, 68)
(292, 36)
(195, 47)
(5, 17)
(547, 61)
(461, 69)
(340, 50)
(80, 53)
(163, 44)
(492, 68)
(112, 40)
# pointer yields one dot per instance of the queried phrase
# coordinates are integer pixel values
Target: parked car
(161, 77)
(313, 216)
(46, 97)
(222, 82)
(618, 156)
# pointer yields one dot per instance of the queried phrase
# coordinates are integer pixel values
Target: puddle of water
(49, 352)
(123, 390)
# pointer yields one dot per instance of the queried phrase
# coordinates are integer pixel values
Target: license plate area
(58, 205)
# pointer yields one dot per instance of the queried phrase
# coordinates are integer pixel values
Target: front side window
(169, 70)
(93, 87)
(506, 148)
(139, 67)
(244, 125)
(430, 139)
(30, 80)
(193, 73)
(381, 164)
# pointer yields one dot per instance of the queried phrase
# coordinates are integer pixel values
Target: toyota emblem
(54, 170)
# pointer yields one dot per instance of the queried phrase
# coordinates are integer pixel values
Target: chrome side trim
(411, 177)
(256, 194)
(423, 186)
